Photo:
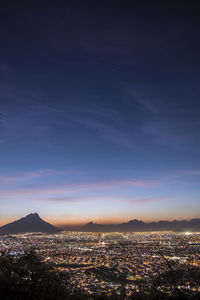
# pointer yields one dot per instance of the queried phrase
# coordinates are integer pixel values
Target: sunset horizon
(65, 201)
(73, 223)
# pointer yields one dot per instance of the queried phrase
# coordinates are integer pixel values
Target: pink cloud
(75, 188)
(130, 200)
(125, 199)
(53, 190)
(146, 200)
(38, 174)
(77, 199)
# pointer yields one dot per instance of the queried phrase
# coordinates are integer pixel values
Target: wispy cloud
(148, 105)
(27, 116)
(146, 200)
(112, 132)
(172, 124)
(83, 187)
(77, 199)
(184, 173)
(38, 174)
(121, 199)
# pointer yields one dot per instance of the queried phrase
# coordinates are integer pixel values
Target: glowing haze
(99, 113)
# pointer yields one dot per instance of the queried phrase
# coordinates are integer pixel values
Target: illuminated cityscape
(107, 263)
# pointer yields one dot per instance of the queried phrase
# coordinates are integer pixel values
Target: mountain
(192, 226)
(140, 226)
(92, 227)
(30, 223)
(33, 223)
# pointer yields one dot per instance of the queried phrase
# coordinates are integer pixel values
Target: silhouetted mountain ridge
(30, 223)
(140, 226)
(33, 223)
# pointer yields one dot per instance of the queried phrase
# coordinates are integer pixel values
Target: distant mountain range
(33, 223)
(30, 223)
(140, 226)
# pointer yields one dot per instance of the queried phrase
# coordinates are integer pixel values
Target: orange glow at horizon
(106, 221)
(70, 221)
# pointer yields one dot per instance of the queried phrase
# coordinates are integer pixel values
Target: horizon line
(80, 224)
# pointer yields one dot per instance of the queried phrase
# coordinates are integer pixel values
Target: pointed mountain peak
(33, 216)
(30, 223)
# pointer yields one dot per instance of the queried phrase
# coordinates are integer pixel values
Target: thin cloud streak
(184, 173)
(73, 188)
(130, 200)
(147, 200)
(76, 199)
(38, 174)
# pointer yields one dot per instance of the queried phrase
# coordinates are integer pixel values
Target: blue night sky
(99, 111)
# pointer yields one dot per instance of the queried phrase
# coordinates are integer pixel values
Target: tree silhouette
(27, 277)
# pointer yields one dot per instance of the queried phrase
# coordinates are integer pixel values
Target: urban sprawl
(103, 263)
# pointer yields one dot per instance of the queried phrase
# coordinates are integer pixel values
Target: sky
(99, 111)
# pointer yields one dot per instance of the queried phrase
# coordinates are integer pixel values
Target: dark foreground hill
(30, 223)
(140, 226)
